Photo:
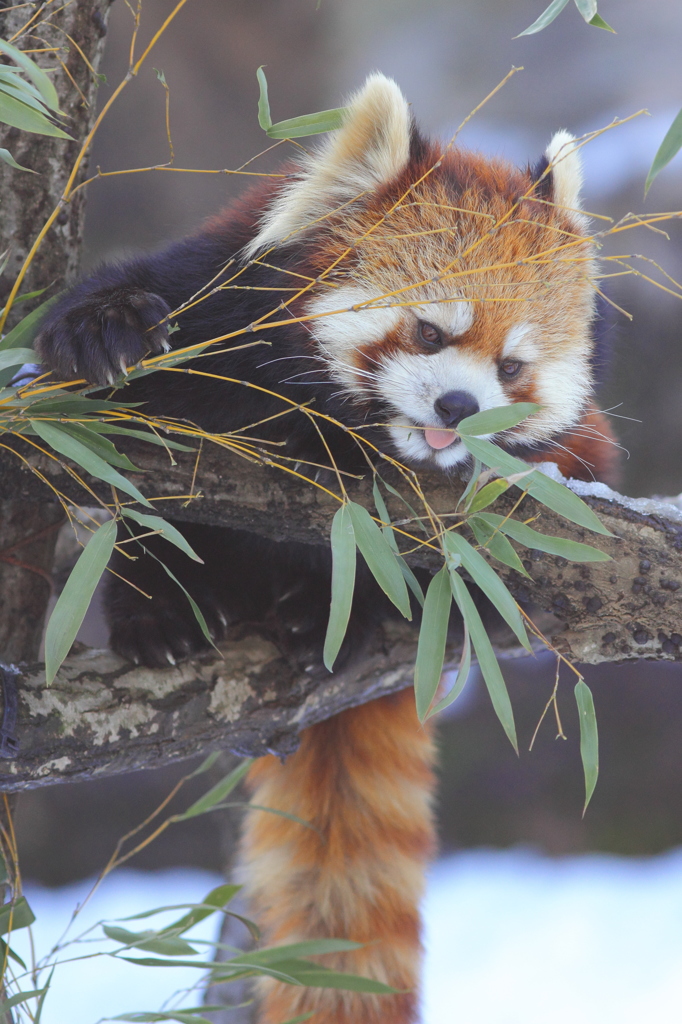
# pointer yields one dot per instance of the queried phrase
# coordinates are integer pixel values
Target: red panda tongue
(439, 437)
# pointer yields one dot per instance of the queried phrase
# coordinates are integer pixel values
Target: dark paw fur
(104, 334)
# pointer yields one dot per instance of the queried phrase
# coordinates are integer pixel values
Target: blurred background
(446, 55)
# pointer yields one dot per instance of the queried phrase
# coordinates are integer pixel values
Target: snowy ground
(512, 938)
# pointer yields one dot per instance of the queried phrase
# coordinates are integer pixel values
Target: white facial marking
(412, 383)
(340, 334)
(520, 343)
(454, 317)
(563, 386)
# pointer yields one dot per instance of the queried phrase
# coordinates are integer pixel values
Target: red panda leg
(363, 779)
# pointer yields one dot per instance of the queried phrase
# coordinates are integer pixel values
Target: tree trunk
(28, 533)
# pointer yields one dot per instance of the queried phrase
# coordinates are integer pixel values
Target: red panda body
(419, 284)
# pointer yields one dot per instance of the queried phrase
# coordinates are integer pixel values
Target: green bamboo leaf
(264, 118)
(308, 124)
(589, 738)
(16, 357)
(215, 900)
(305, 972)
(471, 486)
(343, 583)
(497, 544)
(7, 951)
(20, 997)
(9, 159)
(545, 19)
(432, 638)
(63, 442)
(599, 22)
(552, 494)
(488, 494)
(100, 445)
(293, 951)
(18, 914)
(461, 679)
(40, 80)
(24, 333)
(20, 115)
(228, 891)
(166, 530)
(217, 793)
(11, 76)
(588, 8)
(408, 575)
(485, 577)
(490, 670)
(573, 550)
(188, 1016)
(143, 435)
(381, 560)
(151, 941)
(669, 148)
(16, 87)
(492, 421)
(73, 602)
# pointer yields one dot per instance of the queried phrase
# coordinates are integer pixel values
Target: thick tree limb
(103, 716)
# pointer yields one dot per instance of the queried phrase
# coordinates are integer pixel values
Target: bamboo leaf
(215, 900)
(599, 22)
(485, 577)
(490, 670)
(63, 442)
(545, 19)
(381, 560)
(40, 80)
(15, 915)
(217, 793)
(588, 8)
(552, 494)
(343, 583)
(151, 941)
(94, 440)
(20, 115)
(264, 118)
(432, 638)
(497, 544)
(461, 679)
(20, 997)
(573, 550)
(293, 951)
(488, 494)
(670, 147)
(73, 602)
(24, 333)
(9, 159)
(308, 124)
(408, 575)
(492, 421)
(589, 738)
(166, 530)
(16, 357)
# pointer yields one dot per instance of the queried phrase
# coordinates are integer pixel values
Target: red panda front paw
(102, 336)
(163, 635)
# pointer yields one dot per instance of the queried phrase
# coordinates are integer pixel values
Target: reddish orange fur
(363, 780)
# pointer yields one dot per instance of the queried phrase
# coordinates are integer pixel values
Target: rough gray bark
(102, 716)
(608, 611)
(27, 202)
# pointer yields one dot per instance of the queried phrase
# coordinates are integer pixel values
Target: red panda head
(448, 282)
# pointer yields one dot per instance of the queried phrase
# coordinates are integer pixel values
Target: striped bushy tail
(363, 779)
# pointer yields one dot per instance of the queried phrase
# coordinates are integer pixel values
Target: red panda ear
(371, 147)
(566, 170)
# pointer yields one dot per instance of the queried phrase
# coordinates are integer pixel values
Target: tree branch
(103, 716)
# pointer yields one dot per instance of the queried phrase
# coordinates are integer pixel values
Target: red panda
(421, 284)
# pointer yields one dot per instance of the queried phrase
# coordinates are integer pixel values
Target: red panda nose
(455, 406)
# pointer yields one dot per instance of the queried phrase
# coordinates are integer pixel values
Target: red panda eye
(510, 367)
(429, 334)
